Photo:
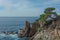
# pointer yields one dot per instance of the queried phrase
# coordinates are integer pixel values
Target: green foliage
(42, 19)
(47, 12)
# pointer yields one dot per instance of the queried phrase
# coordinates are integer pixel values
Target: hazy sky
(26, 7)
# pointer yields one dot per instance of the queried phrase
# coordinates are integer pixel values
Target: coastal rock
(43, 35)
(50, 31)
(27, 28)
(25, 32)
(29, 31)
(33, 29)
(55, 34)
(48, 34)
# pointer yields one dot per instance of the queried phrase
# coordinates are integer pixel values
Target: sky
(26, 8)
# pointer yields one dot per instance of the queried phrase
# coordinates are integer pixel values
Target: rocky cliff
(25, 31)
(50, 31)
(29, 31)
(48, 35)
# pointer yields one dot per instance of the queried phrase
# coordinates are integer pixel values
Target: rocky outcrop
(55, 34)
(25, 31)
(48, 34)
(27, 28)
(29, 31)
(50, 31)
(33, 30)
(43, 35)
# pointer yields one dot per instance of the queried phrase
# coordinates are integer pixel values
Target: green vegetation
(43, 17)
(47, 12)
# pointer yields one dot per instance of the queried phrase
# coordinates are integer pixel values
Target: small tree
(47, 12)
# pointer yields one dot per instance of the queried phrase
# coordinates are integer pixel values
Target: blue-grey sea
(13, 24)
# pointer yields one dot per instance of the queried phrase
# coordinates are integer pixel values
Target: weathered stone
(43, 35)
(26, 30)
(48, 35)
(29, 31)
(33, 30)
(51, 31)
(55, 34)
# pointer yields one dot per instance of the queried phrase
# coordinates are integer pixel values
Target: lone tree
(49, 14)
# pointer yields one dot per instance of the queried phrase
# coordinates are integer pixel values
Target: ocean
(13, 24)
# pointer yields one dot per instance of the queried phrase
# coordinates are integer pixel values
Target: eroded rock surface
(25, 32)
(29, 31)
(48, 34)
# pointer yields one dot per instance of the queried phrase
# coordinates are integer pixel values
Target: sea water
(11, 37)
(8, 24)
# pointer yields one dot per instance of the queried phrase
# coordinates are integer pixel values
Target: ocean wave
(10, 37)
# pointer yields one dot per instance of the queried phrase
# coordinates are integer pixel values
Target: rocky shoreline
(51, 32)
(47, 27)
(34, 31)
(29, 31)
(48, 31)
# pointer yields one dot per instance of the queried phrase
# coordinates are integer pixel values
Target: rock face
(25, 31)
(55, 34)
(33, 30)
(27, 28)
(52, 33)
(43, 35)
(48, 35)
(34, 27)
(29, 31)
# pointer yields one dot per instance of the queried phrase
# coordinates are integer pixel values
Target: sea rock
(25, 32)
(33, 30)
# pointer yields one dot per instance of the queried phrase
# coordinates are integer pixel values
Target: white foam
(13, 35)
(2, 34)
